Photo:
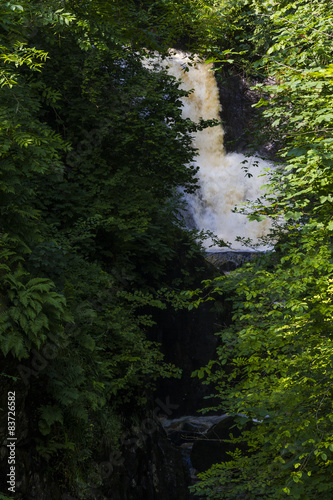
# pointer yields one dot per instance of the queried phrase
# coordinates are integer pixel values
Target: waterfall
(222, 180)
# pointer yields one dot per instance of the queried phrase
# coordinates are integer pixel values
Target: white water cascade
(223, 182)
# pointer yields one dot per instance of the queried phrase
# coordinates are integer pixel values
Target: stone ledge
(229, 260)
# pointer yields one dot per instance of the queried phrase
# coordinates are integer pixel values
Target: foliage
(274, 362)
(274, 366)
(93, 149)
(5, 497)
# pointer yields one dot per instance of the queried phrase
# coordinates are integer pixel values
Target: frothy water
(223, 182)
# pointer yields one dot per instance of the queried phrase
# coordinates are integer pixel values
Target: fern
(5, 497)
(13, 342)
(51, 447)
(49, 416)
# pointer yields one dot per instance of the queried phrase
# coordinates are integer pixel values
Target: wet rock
(229, 260)
(214, 445)
(189, 428)
(238, 116)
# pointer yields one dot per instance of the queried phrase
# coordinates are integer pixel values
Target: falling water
(223, 182)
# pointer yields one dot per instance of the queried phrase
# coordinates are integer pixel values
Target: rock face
(238, 115)
(152, 470)
(188, 341)
(236, 99)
